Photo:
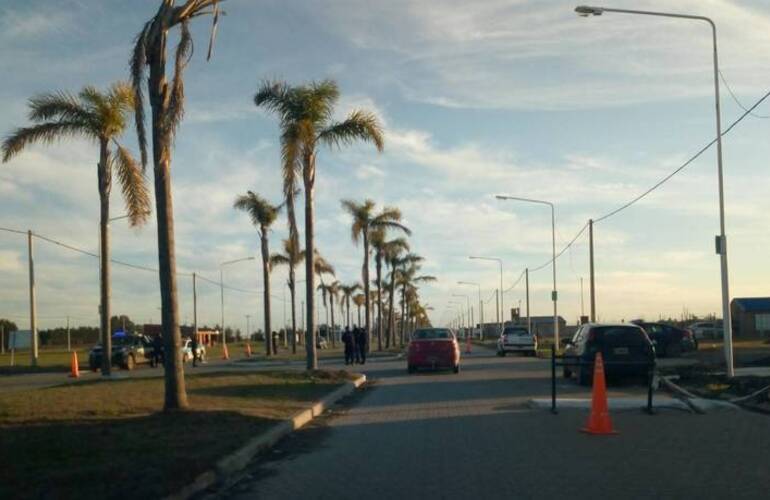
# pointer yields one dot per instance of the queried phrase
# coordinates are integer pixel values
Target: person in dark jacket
(360, 337)
(347, 339)
(157, 350)
(194, 348)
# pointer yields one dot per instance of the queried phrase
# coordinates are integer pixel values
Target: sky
(518, 97)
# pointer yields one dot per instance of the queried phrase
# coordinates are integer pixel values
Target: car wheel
(566, 373)
(673, 350)
(130, 363)
(410, 369)
(456, 368)
(502, 353)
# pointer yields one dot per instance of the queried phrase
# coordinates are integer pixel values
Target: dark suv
(626, 350)
(670, 341)
(127, 352)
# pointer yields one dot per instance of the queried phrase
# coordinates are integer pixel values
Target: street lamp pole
(721, 240)
(502, 307)
(481, 307)
(554, 294)
(222, 293)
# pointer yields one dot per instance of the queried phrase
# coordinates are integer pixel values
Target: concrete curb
(226, 467)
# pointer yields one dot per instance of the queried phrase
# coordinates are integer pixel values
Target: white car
(517, 339)
(707, 330)
(187, 351)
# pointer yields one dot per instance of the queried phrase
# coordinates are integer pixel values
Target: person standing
(347, 339)
(194, 347)
(361, 345)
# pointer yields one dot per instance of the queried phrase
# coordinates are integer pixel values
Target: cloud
(16, 25)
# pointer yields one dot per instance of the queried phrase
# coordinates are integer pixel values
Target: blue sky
(519, 96)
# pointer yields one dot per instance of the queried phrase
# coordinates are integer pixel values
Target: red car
(434, 348)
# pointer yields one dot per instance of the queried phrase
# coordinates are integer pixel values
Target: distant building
(751, 316)
(205, 337)
(542, 326)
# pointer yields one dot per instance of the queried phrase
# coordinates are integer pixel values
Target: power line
(684, 165)
(735, 98)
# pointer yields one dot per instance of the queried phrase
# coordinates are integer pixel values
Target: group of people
(355, 345)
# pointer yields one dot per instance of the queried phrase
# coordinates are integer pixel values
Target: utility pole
(32, 313)
(2, 339)
(497, 303)
(195, 306)
(69, 345)
(529, 321)
(582, 305)
(591, 265)
(248, 328)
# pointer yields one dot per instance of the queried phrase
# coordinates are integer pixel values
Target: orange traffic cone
(248, 350)
(225, 354)
(468, 344)
(74, 369)
(599, 420)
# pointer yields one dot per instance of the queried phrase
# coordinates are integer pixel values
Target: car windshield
(432, 334)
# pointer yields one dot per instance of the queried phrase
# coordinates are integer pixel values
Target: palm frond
(359, 125)
(133, 186)
(278, 259)
(138, 63)
(184, 51)
(275, 97)
(45, 133)
(261, 212)
(58, 105)
(388, 224)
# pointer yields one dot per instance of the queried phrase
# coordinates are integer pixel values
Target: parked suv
(669, 341)
(517, 339)
(127, 352)
(619, 344)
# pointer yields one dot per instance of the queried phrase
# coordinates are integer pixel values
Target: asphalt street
(472, 435)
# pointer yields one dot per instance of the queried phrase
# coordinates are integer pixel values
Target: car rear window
(625, 335)
(432, 334)
(516, 331)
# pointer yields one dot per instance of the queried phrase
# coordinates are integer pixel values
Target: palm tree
(292, 257)
(408, 279)
(167, 103)
(262, 215)
(100, 117)
(306, 114)
(347, 294)
(332, 292)
(394, 259)
(366, 225)
(388, 251)
(359, 300)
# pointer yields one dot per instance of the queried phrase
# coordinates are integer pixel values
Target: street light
(222, 292)
(502, 308)
(554, 294)
(721, 240)
(458, 309)
(468, 304)
(481, 308)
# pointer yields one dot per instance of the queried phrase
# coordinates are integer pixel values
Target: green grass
(107, 439)
(49, 360)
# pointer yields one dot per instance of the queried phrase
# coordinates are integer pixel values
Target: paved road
(470, 436)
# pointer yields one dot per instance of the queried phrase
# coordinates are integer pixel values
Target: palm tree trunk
(293, 314)
(310, 348)
(331, 306)
(365, 273)
(403, 313)
(105, 180)
(391, 314)
(266, 285)
(175, 393)
(379, 300)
